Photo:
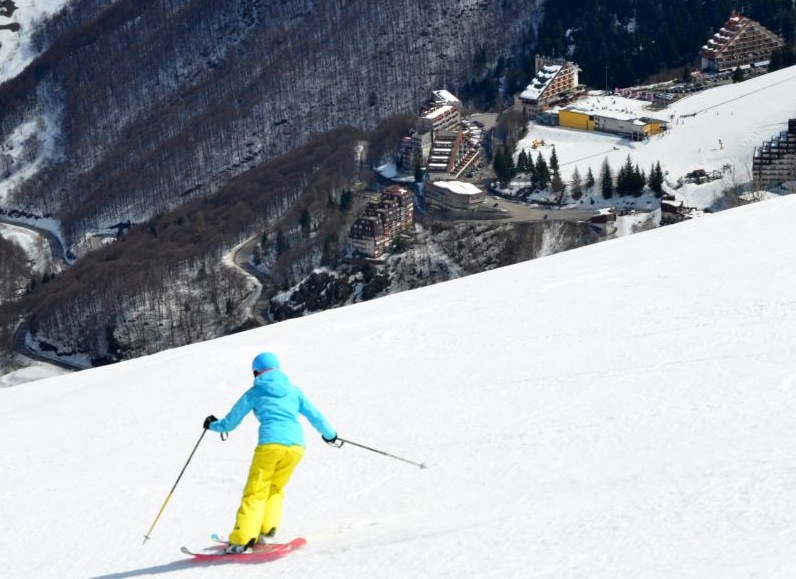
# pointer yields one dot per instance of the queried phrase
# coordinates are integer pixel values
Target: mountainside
(134, 106)
(620, 411)
(162, 135)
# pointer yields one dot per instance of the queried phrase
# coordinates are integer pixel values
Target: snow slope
(16, 47)
(622, 410)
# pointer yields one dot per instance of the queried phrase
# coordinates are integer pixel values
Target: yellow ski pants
(261, 505)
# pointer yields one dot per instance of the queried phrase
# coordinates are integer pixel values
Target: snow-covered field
(622, 410)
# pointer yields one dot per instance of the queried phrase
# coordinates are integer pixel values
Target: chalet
(740, 42)
(603, 221)
(673, 211)
(774, 163)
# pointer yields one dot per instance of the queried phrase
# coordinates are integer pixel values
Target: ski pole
(420, 464)
(168, 497)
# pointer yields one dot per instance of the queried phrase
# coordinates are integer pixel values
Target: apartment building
(384, 219)
(416, 149)
(436, 141)
(453, 195)
(741, 41)
(774, 163)
(440, 118)
(555, 80)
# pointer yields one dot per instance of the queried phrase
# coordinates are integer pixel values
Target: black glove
(208, 421)
(334, 441)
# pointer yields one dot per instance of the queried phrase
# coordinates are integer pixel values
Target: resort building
(383, 220)
(774, 163)
(617, 122)
(453, 195)
(415, 149)
(437, 141)
(740, 42)
(556, 80)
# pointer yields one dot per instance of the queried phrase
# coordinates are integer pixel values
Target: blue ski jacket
(276, 403)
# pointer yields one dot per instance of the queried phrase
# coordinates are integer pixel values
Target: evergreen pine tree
(532, 172)
(639, 181)
(522, 162)
(557, 187)
(655, 180)
(542, 171)
(606, 180)
(575, 186)
(590, 182)
(502, 166)
(553, 161)
(623, 178)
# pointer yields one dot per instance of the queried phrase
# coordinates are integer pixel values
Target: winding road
(58, 262)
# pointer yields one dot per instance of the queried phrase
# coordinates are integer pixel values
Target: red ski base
(259, 554)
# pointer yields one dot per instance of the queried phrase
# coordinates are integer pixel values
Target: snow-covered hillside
(623, 410)
(16, 46)
(715, 130)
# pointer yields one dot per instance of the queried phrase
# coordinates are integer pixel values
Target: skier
(276, 403)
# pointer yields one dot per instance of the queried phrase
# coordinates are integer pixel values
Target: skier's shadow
(167, 568)
(156, 570)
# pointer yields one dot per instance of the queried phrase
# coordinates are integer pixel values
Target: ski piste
(259, 552)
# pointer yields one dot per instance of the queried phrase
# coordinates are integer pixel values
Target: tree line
(544, 174)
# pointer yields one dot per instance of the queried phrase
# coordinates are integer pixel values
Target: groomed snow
(622, 410)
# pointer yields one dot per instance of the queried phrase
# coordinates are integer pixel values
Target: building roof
(722, 41)
(445, 96)
(546, 74)
(459, 187)
(438, 112)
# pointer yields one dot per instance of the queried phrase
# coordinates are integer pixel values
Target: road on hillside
(57, 249)
(241, 260)
(503, 210)
(58, 262)
(519, 211)
(21, 347)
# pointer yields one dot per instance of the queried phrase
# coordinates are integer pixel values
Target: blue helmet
(264, 361)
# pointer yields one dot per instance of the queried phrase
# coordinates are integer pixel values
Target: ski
(259, 552)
